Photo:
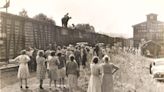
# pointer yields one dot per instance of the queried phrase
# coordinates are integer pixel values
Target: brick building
(151, 29)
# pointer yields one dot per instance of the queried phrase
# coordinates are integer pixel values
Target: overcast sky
(107, 16)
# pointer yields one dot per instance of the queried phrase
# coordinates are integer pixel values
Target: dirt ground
(132, 76)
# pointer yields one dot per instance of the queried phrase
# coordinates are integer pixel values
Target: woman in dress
(94, 82)
(72, 73)
(41, 67)
(61, 68)
(23, 71)
(53, 68)
(108, 69)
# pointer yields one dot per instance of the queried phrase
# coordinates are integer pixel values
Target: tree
(85, 27)
(23, 13)
(43, 17)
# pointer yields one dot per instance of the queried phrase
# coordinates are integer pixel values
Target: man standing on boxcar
(65, 20)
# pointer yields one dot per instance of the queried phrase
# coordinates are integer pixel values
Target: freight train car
(17, 33)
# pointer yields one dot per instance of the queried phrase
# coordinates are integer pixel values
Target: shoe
(27, 87)
(41, 87)
(21, 87)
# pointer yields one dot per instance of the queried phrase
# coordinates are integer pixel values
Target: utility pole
(6, 7)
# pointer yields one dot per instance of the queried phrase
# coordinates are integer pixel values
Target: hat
(40, 51)
(106, 56)
(23, 52)
(71, 55)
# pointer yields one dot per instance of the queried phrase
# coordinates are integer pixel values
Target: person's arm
(115, 68)
(28, 59)
(58, 62)
(67, 69)
(64, 60)
(78, 71)
(16, 59)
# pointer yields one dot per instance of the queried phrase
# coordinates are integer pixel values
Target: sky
(114, 17)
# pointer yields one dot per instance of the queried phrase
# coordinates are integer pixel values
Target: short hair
(53, 53)
(76, 47)
(95, 60)
(71, 57)
(106, 59)
(41, 53)
(59, 54)
(59, 48)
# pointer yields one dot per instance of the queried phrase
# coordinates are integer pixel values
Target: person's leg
(70, 89)
(20, 83)
(63, 82)
(41, 83)
(60, 82)
(26, 83)
(50, 83)
(55, 83)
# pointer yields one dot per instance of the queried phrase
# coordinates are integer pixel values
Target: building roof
(146, 23)
(139, 24)
(151, 41)
(152, 14)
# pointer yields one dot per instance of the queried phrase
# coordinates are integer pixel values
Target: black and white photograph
(81, 46)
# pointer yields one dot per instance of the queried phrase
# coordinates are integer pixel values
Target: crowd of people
(67, 61)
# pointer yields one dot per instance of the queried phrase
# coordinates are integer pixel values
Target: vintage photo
(81, 46)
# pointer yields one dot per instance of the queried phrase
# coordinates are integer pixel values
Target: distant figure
(65, 20)
(84, 57)
(96, 50)
(29, 52)
(34, 54)
(77, 54)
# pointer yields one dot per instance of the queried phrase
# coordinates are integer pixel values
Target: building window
(8, 21)
(151, 30)
(143, 30)
(143, 25)
(17, 23)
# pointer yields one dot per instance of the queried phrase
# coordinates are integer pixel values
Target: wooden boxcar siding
(39, 35)
(17, 33)
(13, 41)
